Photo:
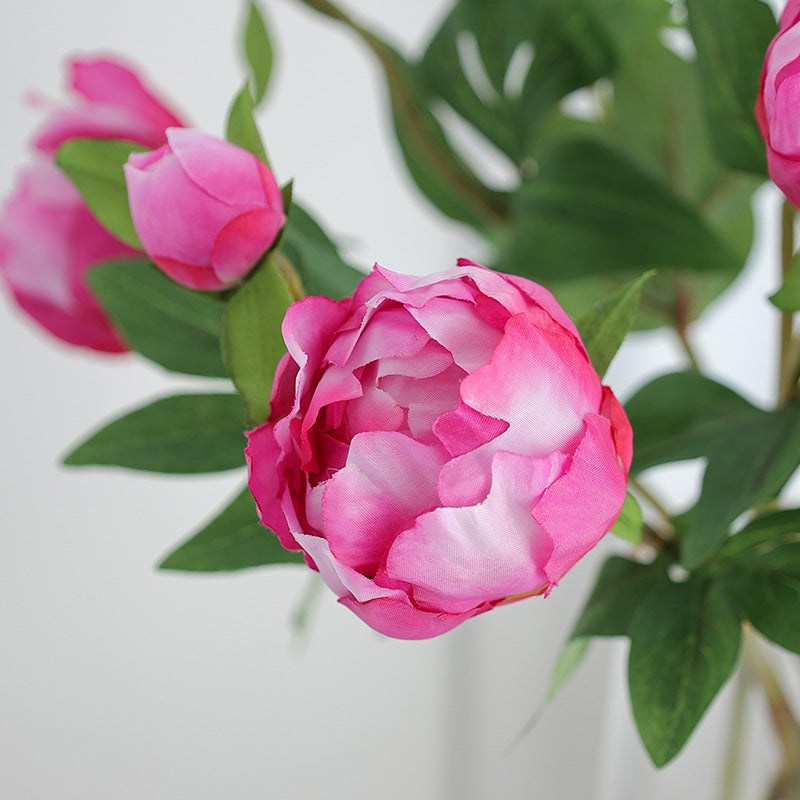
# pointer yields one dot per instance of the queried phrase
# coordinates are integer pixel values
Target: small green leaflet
(629, 522)
(257, 49)
(787, 298)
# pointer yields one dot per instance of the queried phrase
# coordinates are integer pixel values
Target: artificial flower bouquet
(436, 447)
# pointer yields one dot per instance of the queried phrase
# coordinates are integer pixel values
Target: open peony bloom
(204, 209)
(778, 101)
(438, 446)
(111, 103)
(48, 239)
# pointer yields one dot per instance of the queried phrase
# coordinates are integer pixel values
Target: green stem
(651, 499)
(788, 368)
(681, 315)
(733, 755)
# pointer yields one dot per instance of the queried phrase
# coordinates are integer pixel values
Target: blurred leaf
(95, 167)
(591, 211)
(231, 541)
(182, 434)
(567, 48)
(681, 416)
(257, 49)
(172, 326)
(604, 327)
(620, 589)
(787, 298)
(760, 566)
(732, 37)
(684, 645)
(747, 465)
(316, 258)
(241, 128)
(252, 344)
(629, 522)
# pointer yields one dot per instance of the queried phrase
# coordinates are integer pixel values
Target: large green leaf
(167, 323)
(95, 167)
(747, 465)
(231, 541)
(252, 344)
(680, 416)
(684, 645)
(620, 589)
(731, 37)
(761, 570)
(606, 324)
(257, 49)
(316, 258)
(182, 434)
(591, 211)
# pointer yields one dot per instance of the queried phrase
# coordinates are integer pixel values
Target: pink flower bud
(778, 102)
(48, 240)
(204, 209)
(438, 446)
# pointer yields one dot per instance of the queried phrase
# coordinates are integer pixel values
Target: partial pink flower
(778, 101)
(204, 209)
(48, 240)
(111, 102)
(438, 446)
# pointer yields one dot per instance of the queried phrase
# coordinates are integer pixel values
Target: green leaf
(591, 211)
(732, 37)
(748, 465)
(760, 567)
(787, 298)
(684, 645)
(95, 167)
(620, 589)
(680, 416)
(258, 51)
(252, 344)
(231, 541)
(182, 434)
(241, 128)
(604, 326)
(316, 258)
(167, 323)
(629, 522)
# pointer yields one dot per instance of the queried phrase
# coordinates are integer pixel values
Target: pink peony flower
(778, 101)
(204, 209)
(112, 103)
(48, 239)
(48, 236)
(438, 446)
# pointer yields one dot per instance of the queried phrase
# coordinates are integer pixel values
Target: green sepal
(241, 128)
(787, 298)
(233, 540)
(172, 326)
(252, 344)
(182, 434)
(95, 167)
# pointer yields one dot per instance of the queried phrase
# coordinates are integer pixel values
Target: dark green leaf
(604, 326)
(760, 566)
(731, 37)
(684, 645)
(252, 344)
(591, 211)
(258, 51)
(95, 167)
(241, 128)
(787, 298)
(173, 326)
(316, 258)
(233, 540)
(748, 465)
(182, 434)
(680, 416)
(621, 587)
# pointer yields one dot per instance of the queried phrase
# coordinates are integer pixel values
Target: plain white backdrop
(122, 682)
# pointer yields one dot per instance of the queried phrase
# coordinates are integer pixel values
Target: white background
(122, 682)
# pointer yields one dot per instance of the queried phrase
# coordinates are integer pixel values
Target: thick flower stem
(789, 365)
